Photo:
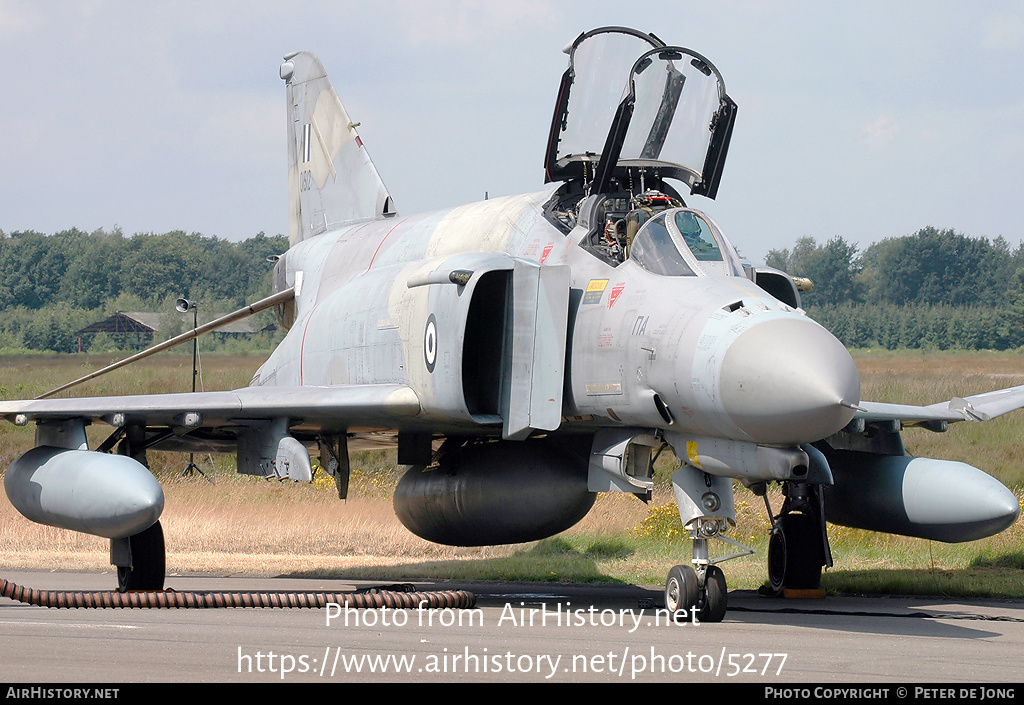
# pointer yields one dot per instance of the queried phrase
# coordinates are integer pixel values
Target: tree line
(54, 285)
(932, 289)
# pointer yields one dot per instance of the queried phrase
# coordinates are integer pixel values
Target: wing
(202, 417)
(980, 407)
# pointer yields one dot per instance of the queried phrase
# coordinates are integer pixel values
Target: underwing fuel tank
(105, 495)
(497, 493)
(942, 500)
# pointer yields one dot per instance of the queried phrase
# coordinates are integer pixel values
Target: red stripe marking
(382, 243)
(302, 345)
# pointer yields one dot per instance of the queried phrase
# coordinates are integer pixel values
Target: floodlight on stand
(184, 305)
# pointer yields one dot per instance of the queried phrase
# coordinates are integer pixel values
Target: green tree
(937, 267)
(833, 267)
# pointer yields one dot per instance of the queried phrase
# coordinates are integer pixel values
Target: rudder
(331, 180)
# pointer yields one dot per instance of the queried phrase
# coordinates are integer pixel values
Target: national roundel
(430, 343)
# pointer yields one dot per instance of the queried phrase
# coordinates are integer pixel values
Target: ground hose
(391, 596)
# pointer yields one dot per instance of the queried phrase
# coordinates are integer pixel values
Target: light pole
(184, 306)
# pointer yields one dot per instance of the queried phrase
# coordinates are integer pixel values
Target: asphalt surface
(519, 632)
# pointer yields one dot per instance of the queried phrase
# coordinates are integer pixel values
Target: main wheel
(778, 558)
(716, 596)
(681, 592)
(148, 562)
(796, 553)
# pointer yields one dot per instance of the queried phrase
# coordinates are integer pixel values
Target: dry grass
(249, 526)
(926, 378)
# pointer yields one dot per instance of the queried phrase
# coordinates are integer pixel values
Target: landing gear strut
(700, 593)
(140, 559)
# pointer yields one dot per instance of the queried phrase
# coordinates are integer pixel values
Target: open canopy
(631, 106)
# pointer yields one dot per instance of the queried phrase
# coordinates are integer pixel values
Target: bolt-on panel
(540, 310)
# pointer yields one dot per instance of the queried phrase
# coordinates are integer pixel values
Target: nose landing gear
(698, 592)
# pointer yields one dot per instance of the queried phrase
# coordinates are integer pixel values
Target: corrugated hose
(402, 596)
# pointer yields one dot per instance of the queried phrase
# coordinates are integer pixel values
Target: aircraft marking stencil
(526, 352)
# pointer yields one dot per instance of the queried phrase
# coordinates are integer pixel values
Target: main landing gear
(146, 562)
(798, 547)
(141, 559)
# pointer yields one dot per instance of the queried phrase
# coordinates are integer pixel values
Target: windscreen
(654, 250)
(684, 242)
(696, 233)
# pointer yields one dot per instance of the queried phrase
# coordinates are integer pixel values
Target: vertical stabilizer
(331, 179)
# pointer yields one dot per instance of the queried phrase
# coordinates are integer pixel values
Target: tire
(778, 558)
(716, 596)
(148, 561)
(681, 592)
(796, 553)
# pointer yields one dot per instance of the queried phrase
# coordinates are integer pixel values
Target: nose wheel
(700, 593)
(682, 591)
(715, 596)
(687, 600)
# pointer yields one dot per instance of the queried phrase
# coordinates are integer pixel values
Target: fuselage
(711, 355)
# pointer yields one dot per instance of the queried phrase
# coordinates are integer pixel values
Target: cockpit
(683, 242)
(633, 113)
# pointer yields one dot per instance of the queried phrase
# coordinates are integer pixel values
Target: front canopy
(630, 106)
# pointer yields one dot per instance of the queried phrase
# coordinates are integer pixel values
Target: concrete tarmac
(519, 632)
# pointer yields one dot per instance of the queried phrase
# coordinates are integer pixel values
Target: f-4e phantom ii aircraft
(524, 353)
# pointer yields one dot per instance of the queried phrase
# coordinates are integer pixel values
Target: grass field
(235, 524)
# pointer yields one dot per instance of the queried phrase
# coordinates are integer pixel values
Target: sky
(864, 120)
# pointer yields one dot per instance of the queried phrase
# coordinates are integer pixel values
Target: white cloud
(880, 133)
(17, 17)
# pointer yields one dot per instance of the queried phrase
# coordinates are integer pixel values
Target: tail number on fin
(305, 181)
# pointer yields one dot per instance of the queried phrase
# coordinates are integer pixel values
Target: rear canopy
(629, 106)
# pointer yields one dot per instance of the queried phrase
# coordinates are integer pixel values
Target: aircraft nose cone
(786, 380)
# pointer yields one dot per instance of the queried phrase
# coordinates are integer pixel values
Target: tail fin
(331, 179)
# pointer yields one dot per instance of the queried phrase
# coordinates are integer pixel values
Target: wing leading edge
(317, 408)
(979, 407)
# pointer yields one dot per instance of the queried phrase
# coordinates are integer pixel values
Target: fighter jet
(527, 352)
